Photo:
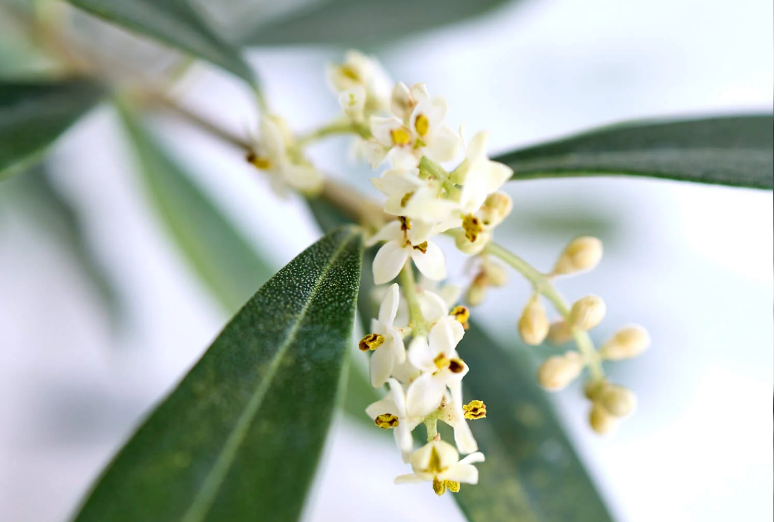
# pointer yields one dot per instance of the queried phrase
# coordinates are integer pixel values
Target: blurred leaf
(216, 251)
(240, 437)
(531, 472)
(733, 150)
(362, 23)
(359, 393)
(44, 203)
(175, 23)
(33, 115)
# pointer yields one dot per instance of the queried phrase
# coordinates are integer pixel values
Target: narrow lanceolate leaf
(531, 472)
(240, 437)
(175, 23)
(733, 150)
(216, 251)
(361, 23)
(34, 114)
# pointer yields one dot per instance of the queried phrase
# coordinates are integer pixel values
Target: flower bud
(628, 342)
(533, 325)
(618, 401)
(593, 388)
(560, 333)
(582, 253)
(496, 208)
(475, 295)
(601, 422)
(558, 371)
(471, 247)
(497, 275)
(587, 312)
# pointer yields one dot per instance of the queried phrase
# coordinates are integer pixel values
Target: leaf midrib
(206, 495)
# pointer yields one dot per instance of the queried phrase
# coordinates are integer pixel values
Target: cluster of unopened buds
(413, 341)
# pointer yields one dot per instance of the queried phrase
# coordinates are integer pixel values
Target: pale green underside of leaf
(361, 23)
(175, 23)
(34, 115)
(213, 247)
(734, 150)
(240, 437)
(531, 472)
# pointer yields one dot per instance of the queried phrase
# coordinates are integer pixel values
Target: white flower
(352, 102)
(478, 175)
(438, 462)
(452, 414)
(271, 155)
(423, 134)
(448, 292)
(410, 196)
(386, 340)
(395, 405)
(436, 357)
(403, 244)
(359, 70)
(405, 99)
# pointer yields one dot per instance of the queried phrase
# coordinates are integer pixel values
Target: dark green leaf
(240, 437)
(363, 23)
(531, 472)
(734, 150)
(33, 115)
(217, 252)
(175, 23)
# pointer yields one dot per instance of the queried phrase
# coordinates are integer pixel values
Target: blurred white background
(693, 263)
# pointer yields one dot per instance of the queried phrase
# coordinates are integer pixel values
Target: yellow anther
(349, 72)
(405, 199)
(261, 163)
(441, 361)
(472, 227)
(400, 136)
(421, 247)
(461, 314)
(370, 342)
(439, 487)
(406, 224)
(453, 486)
(474, 410)
(456, 366)
(386, 421)
(421, 125)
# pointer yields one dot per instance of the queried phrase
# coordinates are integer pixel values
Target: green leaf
(362, 23)
(240, 437)
(175, 23)
(216, 251)
(531, 472)
(734, 150)
(34, 114)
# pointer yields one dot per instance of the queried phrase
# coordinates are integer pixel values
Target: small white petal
(434, 109)
(443, 145)
(403, 158)
(432, 306)
(352, 102)
(397, 181)
(413, 478)
(464, 438)
(431, 264)
(381, 365)
(390, 232)
(424, 395)
(440, 338)
(389, 261)
(397, 396)
(419, 92)
(448, 455)
(386, 405)
(397, 345)
(382, 127)
(476, 148)
(402, 434)
(389, 306)
(465, 473)
(474, 457)
(497, 175)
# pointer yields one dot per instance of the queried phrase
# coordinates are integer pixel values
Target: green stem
(431, 427)
(543, 284)
(407, 280)
(336, 127)
(432, 169)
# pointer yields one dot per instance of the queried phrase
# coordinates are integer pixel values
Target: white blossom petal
(389, 306)
(432, 306)
(471, 459)
(386, 405)
(431, 264)
(389, 261)
(402, 434)
(390, 232)
(464, 438)
(420, 355)
(381, 365)
(443, 145)
(413, 478)
(424, 394)
(465, 473)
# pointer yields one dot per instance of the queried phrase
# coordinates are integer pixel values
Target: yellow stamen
(406, 224)
(386, 421)
(456, 365)
(370, 342)
(474, 410)
(400, 136)
(472, 227)
(461, 314)
(349, 72)
(421, 125)
(441, 361)
(261, 163)
(439, 487)
(421, 247)
(453, 486)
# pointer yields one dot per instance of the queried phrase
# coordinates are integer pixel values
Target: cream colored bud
(497, 275)
(469, 247)
(560, 333)
(475, 295)
(582, 253)
(618, 401)
(558, 371)
(496, 208)
(593, 388)
(587, 312)
(601, 422)
(628, 342)
(533, 325)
